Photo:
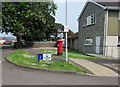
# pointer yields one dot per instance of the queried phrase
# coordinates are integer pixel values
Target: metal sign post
(66, 29)
(66, 49)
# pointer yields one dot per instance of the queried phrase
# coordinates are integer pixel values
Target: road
(14, 75)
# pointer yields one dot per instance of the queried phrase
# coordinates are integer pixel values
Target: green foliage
(58, 29)
(70, 33)
(28, 20)
(27, 59)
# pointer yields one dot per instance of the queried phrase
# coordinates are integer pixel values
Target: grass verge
(27, 59)
(71, 54)
(5, 45)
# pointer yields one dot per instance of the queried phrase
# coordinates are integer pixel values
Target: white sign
(66, 28)
(47, 57)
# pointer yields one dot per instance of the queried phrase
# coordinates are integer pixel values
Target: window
(119, 16)
(93, 19)
(85, 21)
(89, 20)
(88, 41)
(118, 41)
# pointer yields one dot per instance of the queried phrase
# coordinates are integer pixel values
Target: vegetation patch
(27, 59)
(4, 45)
(71, 54)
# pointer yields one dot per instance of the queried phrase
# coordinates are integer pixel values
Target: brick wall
(40, 44)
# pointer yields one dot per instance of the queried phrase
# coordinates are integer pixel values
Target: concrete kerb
(57, 71)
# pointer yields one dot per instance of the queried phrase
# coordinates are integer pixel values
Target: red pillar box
(59, 44)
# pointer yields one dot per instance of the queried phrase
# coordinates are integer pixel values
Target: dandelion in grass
(33, 64)
(27, 56)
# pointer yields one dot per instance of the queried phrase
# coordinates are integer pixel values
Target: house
(73, 41)
(99, 23)
(2, 40)
(5, 39)
(12, 40)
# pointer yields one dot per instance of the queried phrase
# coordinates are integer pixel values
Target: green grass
(27, 59)
(71, 54)
(4, 45)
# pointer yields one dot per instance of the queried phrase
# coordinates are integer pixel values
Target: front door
(97, 44)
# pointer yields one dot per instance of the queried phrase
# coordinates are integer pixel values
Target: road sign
(44, 57)
(66, 28)
(47, 57)
(40, 57)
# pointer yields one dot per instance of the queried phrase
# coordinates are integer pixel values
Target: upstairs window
(88, 41)
(85, 21)
(89, 20)
(93, 19)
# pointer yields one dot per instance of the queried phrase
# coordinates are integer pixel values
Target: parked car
(7, 43)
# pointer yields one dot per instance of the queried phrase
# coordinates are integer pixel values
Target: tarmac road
(14, 75)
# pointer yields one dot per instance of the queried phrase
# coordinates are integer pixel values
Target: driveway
(14, 75)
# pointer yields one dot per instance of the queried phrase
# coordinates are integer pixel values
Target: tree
(70, 33)
(58, 28)
(55, 31)
(28, 20)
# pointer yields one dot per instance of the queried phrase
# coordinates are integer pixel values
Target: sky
(6, 35)
(74, 8)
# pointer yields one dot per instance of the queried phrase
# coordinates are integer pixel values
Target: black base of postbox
(60, 54)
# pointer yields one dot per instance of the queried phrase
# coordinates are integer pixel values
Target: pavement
(112, 64)
(95, 68)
